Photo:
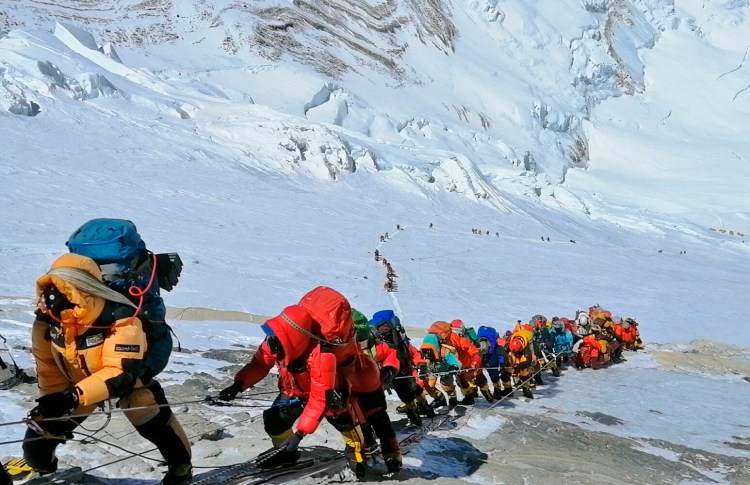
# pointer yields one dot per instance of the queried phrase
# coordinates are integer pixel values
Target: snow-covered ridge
(512, 85)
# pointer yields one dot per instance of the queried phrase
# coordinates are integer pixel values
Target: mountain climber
(494, 358)
(322, 372)
(333, 327)
(562, 342)
(89, 345)
(440, 362)
(520, 364)
(396, 373)
(535, 324)
(468, 356)
(589, 351)
(629, 334)
(544, 348)
(307, 382)
(390, 331)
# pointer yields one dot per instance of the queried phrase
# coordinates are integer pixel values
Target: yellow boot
(354, 451)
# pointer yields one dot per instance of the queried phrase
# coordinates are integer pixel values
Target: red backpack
(332, 315)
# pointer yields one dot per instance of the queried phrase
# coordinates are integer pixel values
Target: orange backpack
(442, 329)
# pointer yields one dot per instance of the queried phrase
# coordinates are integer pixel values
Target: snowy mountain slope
(501, 92)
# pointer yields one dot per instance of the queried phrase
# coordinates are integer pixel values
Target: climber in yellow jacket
(521, 359)
(89, 346)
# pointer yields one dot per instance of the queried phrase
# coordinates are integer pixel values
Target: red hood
(295, 343)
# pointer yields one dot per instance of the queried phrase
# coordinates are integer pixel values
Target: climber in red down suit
(321, 374)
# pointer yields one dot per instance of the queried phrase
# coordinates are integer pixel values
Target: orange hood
(87, 307)
(442, 329)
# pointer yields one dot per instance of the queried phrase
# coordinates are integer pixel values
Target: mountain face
(488, 99)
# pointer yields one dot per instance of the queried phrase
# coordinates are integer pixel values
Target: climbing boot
(413, 416)
(393, 463)
(179, 474)
(487, 395)
(439, 401)
(425, 409)
(527, 393)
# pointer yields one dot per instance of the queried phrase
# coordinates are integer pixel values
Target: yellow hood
(87, 307)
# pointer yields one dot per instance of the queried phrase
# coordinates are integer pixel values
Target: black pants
(157, 424)
(282, 414)
(406, 388)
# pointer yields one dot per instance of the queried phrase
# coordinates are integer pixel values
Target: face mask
(55, 301)
(274, 345)
(484, 346)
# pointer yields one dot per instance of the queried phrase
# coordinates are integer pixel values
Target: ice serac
(75, 37)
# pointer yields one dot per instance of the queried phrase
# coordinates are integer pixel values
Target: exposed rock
(602, 418)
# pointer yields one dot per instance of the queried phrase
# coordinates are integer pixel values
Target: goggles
(427, 354)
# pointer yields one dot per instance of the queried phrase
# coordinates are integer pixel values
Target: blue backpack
(125, 262)
(383, 316)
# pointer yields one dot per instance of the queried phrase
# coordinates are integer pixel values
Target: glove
(230, 392)
(387, 374)
(291, 443)
(288, 445)
(56, 404)
(423, 370)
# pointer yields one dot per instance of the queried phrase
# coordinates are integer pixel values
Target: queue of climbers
(100, 334)
(390, 285)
